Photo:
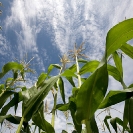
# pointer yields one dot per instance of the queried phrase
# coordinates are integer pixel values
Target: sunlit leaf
(114, 72)
(41, 79)
(10, 66)
(68, 73)
(91, 93)
(118, 63)
(118, 35)
(70, 79)
(89, 67)
(127, 49)
(116, 96)
(50, 68)
(31, 104)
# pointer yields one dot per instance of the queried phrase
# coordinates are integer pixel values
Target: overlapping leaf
(39, 120)
(118, 35)
(92, 93)
(10, 66)
(116, 96)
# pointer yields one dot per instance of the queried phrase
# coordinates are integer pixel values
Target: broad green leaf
(41, 79)
(62, 107)
(91, 93)
(89, 67)
(106, 122)
(10, 66)
(75, 91)
(27, 95)
(72, 108)
(82, 61)
(34, 102)
(131, 113)
(4, 96)
(39, 120)
(116, 96)
(70, 79)
(118, 63)
(93, 124)
(50, 68)
(61, 86)
(15, 100)
(73, 68)
(118, 35)
(68, 73)
(114, 72)
(12, 119)
(127, 49)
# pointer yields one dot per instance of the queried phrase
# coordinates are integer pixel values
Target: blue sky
(46, 29)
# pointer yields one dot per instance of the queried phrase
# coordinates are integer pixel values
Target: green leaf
(127, 49)
(15, 100)
(72, 108)
(61, 86)
(4, 96)
(93, 124)
(38, 119)
(68, 73)
(126, 114)
(89, 67)
(73, 68)
(50, 68)
(113, 123)
(91, 93)
(31, 104)
(82, 61)
(106, 122)
(10, 66)
(63, 131)
(114, 72)
(41, 79)
(118, 35)
(62, 107)
(130, 113)
(118, 63)
(116, 96)
(12, 119)
(70, 79)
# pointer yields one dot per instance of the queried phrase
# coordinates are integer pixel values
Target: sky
(47, 29)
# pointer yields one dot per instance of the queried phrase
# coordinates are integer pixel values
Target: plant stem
(88, 126)
(20, 125)
(79, 78)
(53, 112)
